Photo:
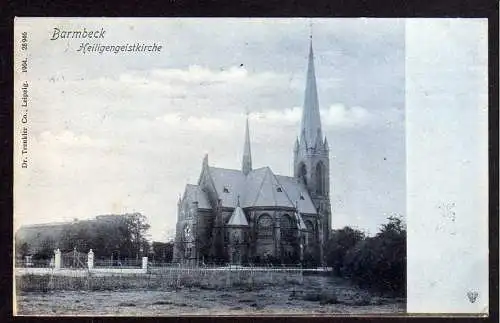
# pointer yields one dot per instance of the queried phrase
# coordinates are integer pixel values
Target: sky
(115, 133)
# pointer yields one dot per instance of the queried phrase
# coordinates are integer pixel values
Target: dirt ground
(317, 295)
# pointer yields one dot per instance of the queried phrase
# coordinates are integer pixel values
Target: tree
(310, 260)
(46, 250)
(360, 262)
(111, 237)
(392, 260)
(379, 262)
(339, 244)
(123, 236)
(138, 227)
(23, 250)
(163, 251)
(80, 235)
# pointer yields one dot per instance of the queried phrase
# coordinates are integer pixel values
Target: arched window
(303, 172)
(265, 226)
(309, 233)
(287, 227)
(265, 238)
(320, 178)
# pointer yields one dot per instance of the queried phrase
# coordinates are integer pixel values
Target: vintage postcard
(191, 166)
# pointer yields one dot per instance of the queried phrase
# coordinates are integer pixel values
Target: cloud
(268, 123)
(202, 75)
(68, 139)
(342, 116)
(204, 124)
(286, 116)
(336, 115)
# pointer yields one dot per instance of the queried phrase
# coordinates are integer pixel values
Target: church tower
(311, 155)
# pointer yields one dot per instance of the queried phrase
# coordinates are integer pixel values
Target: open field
(317, 295)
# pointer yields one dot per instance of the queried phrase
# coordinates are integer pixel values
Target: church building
(255, 216)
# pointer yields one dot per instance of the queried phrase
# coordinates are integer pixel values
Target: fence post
(145, 263)
(228, 277)
(57, 259)
(90, 260)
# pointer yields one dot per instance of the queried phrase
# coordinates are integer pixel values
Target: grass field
(317, 295)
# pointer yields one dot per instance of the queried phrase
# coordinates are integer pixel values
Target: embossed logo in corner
(472, 296)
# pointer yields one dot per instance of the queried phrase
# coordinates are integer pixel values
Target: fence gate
(74, 259)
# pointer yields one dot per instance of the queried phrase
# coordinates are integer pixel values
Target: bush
(310, 261)
(340, 243)
(372, 262)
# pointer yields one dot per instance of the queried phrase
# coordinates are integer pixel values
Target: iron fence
(118, 263)
(73, 259)
(161, 277)
(38, 263)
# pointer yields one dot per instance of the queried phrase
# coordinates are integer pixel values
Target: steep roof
(263, 189)
(229, 183)
(260, 188)
(297, 193)
(194, 193)
(238, 218)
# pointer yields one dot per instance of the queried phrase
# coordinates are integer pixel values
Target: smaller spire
(246, 166)
(205, 160)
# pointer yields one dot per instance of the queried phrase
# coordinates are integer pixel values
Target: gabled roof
(263, 189)
(238, 218)
(229, 183)
(295, 190)
(260, 188)
(194, 193)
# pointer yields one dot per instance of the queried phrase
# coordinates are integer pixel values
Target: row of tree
(373, 262)
(109, 237)
(377, 262)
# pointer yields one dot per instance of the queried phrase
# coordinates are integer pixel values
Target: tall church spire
(246, 166)
(312, 158)
(311, 122)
